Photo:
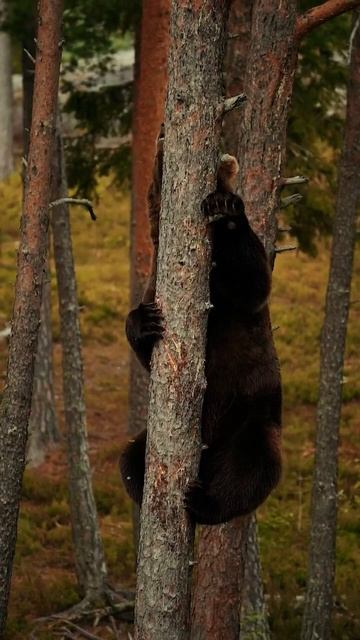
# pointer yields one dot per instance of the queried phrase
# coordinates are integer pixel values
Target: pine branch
(322, 13)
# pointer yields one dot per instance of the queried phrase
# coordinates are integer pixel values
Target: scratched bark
(192, 132)
(16, 402)
(149, 105)
(322, 553)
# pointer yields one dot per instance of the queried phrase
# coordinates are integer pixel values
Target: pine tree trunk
(221, 551)
(16, 402)
(269, 81)
(219, 575)
(150, 88)
(268, 87)
(254, 621)
(192, 133)
(319, 596)
(238, 45)
(6, 128)
(88, 550)
(43, 427)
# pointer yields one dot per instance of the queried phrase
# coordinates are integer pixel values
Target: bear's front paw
(218, 205)
(147, 321)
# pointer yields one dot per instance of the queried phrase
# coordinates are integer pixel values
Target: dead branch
(292, 247)
(285, 182)
(293, 199)
(320, 14)
(80, 201)
(31, 57)
(235, 102)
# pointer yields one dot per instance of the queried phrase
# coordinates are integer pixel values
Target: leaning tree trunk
(6, 128)
(16, 402)
(88, 549)
(319, 596)
(192, 132)
(221, 551)
(43, 426)
(150, 88)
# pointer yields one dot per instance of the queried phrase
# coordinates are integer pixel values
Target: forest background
(43, 580)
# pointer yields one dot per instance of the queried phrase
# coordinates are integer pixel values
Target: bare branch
(235, 102)
(320, 14)
(293, 199)
(284, 229)
(292, 247)
(31, 57)
(81, 201)
(285, 182)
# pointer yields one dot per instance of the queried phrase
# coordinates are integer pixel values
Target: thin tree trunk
(254, 621)
(16, 403)
(89, 555)
(43, 427)
(221, 550)
(6, 128)
(150, 88)
(192, 133)
(319, 596)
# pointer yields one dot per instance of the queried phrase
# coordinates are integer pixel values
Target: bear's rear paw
(201, 507)
(219, 205)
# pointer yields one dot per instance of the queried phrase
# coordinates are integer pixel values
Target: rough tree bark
(221, 550)
(192, 133)
(6, 129)
(88, 549)
(239, 34)
(43, 426)
(16, 403)
(218, 578)
(319, 596)
(150, 89)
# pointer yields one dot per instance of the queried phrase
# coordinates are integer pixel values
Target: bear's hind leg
(236, 477)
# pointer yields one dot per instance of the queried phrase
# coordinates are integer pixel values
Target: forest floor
(44, 579)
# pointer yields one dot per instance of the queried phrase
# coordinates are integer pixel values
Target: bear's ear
(227, 172)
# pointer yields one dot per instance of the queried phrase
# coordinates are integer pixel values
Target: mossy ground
(44, 580)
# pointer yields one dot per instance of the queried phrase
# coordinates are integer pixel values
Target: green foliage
(104, 113)
(316, 126)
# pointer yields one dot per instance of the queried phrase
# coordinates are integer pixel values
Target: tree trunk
(89, 555)
(6, 129)
(253, 611)
(319, 596)
(150, 88)
(43, 428)
(268, 87)
(235, 68)
(16, 403)
(218, 577)
(192, 133)
(221, 550)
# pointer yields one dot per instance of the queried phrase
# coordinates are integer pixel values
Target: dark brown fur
(241, 460)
